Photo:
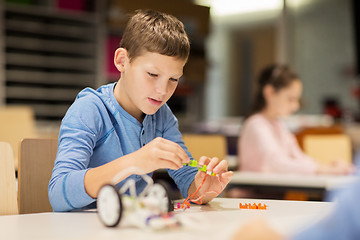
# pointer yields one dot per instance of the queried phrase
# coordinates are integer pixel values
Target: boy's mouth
(154, 101)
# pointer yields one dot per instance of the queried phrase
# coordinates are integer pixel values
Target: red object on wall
(112, 44)
(78, 5)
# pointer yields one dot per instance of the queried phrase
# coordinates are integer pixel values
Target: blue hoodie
(97, 130)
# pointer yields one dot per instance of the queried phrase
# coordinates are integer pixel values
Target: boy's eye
(152, 74)
(174, 79)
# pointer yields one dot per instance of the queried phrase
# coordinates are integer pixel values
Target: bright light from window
(231, 7)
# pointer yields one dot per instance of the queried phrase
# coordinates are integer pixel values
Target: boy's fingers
(168, 164)
(226, 176)
(221, 167)
(203, 160)
(170, 157)
(200, 175)
(213, 163)
(182, 154)
(171, 146)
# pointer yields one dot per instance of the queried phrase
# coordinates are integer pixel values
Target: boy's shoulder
(89, 108)
(90, 99)
(95, 95)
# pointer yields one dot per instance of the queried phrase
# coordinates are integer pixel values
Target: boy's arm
(74, 184)
(66, 187)
(159, 153)
(78, 135)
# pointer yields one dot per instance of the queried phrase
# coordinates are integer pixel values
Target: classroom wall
(319, 45)
(323, 52)
(229, 65)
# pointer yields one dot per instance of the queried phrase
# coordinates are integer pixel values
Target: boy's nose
(161, 87)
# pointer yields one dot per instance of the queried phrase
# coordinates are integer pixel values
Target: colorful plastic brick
(203, 168)
(252, 206)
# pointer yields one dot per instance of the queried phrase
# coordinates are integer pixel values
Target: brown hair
(157, 32)
(278, 76)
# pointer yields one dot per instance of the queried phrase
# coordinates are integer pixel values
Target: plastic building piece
(263, 207)
(149, 209)
(202, 168)
(245, 206)
(252, 206)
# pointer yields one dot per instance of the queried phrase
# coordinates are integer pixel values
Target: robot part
(194, 163)
(149, 209)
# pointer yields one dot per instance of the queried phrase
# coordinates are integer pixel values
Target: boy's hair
(157, 32)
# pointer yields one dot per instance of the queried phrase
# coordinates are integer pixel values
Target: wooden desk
(319, 183)
(217, 220)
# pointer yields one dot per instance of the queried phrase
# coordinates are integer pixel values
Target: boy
(127, 123)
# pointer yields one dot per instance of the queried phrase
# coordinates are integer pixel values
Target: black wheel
(109, 206)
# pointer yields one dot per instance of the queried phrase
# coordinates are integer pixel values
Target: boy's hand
(212, 187)
(160, 153)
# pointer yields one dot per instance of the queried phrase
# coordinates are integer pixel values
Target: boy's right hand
(160, 153)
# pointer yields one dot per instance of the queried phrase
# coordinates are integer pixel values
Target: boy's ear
(120, 58)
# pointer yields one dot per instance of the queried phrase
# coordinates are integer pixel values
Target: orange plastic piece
(252, 206)
(262, 207)
(245, 206)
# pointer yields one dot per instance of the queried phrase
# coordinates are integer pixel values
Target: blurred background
(51, 49)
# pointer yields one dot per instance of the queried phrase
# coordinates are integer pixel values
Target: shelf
(49, 46)
(41, 77)
(50, 62)
(45, 94)
(50, 56)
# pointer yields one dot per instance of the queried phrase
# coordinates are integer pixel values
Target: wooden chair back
(335, 129)
(327, 148)
(16, 123)
(206, 145)
(36, 162)
(8, 196)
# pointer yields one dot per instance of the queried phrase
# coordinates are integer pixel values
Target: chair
(16, 122)
(206, 145)
(334, 129)
(327, 148)
(36, 161)
(8, 199)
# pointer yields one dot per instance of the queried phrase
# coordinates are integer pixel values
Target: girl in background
(266, 145)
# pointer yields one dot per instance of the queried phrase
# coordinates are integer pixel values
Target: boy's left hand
(213, 185)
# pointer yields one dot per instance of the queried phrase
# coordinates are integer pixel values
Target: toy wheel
(160, 192)
(109, 206)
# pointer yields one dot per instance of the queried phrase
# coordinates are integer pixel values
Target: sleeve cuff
(74, 190)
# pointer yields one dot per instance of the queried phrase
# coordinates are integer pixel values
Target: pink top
(268, 146)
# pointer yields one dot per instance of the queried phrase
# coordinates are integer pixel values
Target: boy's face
(147, 82)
